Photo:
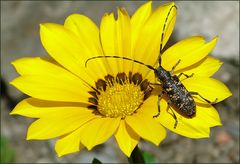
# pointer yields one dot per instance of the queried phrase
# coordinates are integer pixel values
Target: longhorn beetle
(171, 85)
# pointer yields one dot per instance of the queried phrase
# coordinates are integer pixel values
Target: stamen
(94, 94)
(101, 84)
(109, 79)
(93, 100)
(144, 85)
(121, 77)
(137, 78)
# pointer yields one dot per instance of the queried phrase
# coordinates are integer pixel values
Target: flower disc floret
(120, 100)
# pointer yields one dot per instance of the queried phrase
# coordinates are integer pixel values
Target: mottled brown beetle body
(176, 91)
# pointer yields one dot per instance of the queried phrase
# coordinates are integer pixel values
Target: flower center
(120, 96)
(120, 100)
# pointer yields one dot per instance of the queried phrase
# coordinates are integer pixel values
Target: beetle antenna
(125, 58)
(164, 27)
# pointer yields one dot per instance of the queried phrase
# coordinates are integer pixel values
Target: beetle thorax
(162, 74)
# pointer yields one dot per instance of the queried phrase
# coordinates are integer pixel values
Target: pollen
(120, 96)
(120, 100)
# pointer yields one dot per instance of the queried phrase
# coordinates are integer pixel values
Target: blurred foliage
(149, 158)
(96, 161)
(7, 153)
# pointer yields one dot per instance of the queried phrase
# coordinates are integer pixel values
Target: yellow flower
(84, 106)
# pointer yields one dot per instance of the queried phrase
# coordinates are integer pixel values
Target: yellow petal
(148, 43)
(209, 114)
(36, 108)
(109, 42)
(123, 38)
(206, 67)
(56, 88)
(86, 30)
(37, 65)
(126, 138)
(61, 123)
(196, 127)
(138, 20)
(208, 88)
(69, 143)
(170, 22)
(107, 32)
(150, 106)
(190, 51)
(70, 51)
(146, 127)
(41, 66)
(98, 131)
(116, 41)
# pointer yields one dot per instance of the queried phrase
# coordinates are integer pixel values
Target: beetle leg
(196, 93)
(158, 103)
(155, 84)
(175, 66)
(173, 114)
(187, 76)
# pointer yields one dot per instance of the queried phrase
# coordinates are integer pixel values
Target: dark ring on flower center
(121, 78)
